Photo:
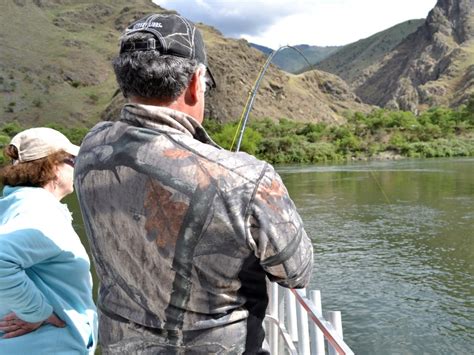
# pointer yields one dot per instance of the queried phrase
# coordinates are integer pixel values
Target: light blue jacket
(44, 268)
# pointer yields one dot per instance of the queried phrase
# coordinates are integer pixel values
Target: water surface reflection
(394, 251)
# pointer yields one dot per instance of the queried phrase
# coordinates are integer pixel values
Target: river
(394, 250)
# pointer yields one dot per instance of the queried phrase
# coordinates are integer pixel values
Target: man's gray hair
(151, 75)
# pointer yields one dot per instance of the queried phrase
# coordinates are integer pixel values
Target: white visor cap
(36, 143)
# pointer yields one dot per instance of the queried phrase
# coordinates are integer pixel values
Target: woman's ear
(56, 170)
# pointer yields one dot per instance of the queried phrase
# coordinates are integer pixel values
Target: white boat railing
(294, 324)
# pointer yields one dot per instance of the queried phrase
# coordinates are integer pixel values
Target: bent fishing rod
(253, 93)
(329, 332)
(251, 98)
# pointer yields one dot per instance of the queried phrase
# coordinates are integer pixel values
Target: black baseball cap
(174, 35)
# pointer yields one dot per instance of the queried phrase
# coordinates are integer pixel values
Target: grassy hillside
(350, 61)
(55, 67)
(55, 58)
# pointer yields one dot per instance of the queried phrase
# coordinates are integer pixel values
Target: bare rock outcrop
(432, 66)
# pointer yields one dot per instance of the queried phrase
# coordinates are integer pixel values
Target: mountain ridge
(56, 67)
(337, 59)
(291, 60)
(434, 66)
(350, 61)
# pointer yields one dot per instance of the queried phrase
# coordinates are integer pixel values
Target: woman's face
(65, 176)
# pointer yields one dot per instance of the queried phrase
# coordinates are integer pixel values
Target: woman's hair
(35, 173)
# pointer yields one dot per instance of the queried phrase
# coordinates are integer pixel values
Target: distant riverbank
(380, 135)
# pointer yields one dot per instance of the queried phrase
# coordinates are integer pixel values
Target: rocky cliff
(433, 66)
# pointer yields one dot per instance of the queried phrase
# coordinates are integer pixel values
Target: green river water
(394, 250)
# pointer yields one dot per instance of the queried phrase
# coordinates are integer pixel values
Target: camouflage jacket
(182, 231)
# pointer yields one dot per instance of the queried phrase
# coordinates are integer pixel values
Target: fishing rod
(251, 98)
(253, 93)
(329, 332)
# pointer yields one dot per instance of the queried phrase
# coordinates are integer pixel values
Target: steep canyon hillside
(414, 65)
(351, 61)
(55, 67)
(433, 66)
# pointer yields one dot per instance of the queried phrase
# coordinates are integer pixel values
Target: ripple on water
(379, 264)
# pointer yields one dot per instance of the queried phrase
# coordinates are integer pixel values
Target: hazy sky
(273, 23)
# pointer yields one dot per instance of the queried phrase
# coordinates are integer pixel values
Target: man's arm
(277, 234)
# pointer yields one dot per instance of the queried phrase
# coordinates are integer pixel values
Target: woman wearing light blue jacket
(46, 304)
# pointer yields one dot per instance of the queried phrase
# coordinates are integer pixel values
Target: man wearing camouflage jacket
(183, 232)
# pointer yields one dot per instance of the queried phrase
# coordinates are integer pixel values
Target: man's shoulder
(107, 139)
(116, 133)
(99, 128)
(241, 163)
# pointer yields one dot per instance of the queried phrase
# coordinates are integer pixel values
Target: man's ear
(194, 87)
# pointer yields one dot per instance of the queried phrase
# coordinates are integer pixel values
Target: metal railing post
(273, 306)
(317, 337)
(334, 317)
(303, 331)
(328, 330)
(278, 313)
(291, 322)
(282, 316)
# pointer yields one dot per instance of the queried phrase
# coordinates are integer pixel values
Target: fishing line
(380, 186)
(251, 98)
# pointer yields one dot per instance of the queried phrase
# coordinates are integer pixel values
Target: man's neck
(151, 101)
(179, 104)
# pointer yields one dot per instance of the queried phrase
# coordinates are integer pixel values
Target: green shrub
(94, 98)
(37, 103)
(348, 144)
(74, 134)
(397, 142)
(427, 132)
(404, 120)
(225, 135)
(11, 128)
(435, 133)
(283, 150)
(322, 152)
(212, 126)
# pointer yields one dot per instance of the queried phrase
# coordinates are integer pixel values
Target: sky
(274, 23)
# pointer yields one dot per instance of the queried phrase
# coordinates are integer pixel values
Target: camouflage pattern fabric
(131, 338)
(183, 233)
